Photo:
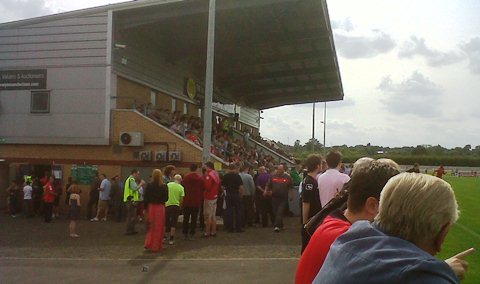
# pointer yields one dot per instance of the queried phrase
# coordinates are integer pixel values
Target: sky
(410, 72)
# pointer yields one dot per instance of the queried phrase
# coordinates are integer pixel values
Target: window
(174, 105)
(40, 102)
(185, 108)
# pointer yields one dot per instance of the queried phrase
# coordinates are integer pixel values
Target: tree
(419, 150)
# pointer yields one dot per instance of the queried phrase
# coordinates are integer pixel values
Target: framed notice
(84, 174)
(23, 79)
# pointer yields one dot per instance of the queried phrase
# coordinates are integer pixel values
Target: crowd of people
(366, 223)
(231, 148)
(376, 225)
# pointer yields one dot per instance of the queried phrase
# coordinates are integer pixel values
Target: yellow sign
(191, 88)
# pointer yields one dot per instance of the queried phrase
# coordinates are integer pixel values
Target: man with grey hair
(415, 214)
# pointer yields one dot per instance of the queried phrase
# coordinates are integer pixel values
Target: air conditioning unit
(161, 156)
(145, 155)
(131, 139)
(175, 156)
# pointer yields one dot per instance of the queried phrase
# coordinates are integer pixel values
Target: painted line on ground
(150, 259)
(468, 230)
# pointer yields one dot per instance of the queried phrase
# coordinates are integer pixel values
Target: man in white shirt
(332, 180)
(27, 199)
(104, 198)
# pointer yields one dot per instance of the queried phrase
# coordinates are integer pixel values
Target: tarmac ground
(32, 251)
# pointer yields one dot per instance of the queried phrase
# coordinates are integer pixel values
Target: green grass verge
(466, 233)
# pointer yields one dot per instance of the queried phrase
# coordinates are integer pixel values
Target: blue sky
(410, 73)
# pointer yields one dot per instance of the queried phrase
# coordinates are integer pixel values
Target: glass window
(40, 102)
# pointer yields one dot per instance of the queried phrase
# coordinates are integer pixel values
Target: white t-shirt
(27, 192)
(329, 183)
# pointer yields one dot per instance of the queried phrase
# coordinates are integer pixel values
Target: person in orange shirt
(48, 199)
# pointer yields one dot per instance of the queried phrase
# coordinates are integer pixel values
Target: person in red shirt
(440, 171)
(363, 195)
(193, 183)
(49, 198)
(210, 194)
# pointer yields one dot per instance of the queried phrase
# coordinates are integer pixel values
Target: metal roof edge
(87, 11)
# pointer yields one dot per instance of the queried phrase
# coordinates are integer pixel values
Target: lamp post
(207, 119)
(313, 127)
(324, 122)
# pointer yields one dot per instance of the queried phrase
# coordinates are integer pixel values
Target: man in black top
(232, 182)
(310, 194)
(94, 196)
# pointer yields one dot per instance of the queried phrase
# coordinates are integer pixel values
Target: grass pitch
(466, 232)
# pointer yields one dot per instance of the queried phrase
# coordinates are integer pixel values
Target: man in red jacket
(193, 183)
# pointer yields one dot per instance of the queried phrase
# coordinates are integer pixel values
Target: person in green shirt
(176, 192)
(131, 198)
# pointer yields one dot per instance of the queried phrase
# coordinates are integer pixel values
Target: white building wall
(74, 53)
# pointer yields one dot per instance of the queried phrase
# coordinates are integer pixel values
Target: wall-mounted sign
(193, 89)
(84, 174)
(23, 79)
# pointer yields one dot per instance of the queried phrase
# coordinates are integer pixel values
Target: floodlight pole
(313, 127)
(207, 116)
(324, 127)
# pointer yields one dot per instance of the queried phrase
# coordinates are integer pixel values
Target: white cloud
(472, 49)
(415, 95)
(12, 10)
(353, 45)
(417, 47)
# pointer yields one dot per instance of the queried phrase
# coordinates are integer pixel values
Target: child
(74, 203)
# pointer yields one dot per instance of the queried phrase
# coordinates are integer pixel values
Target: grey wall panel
(91, 52)
(85, 78)
(76, 21)
(90, 101)
(249, 116)
(73, 126)
(85, 28)
(54, 38)
(71, 45)
(52, 62)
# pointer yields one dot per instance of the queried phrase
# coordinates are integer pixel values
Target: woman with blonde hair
(155, 196)
(74, 203)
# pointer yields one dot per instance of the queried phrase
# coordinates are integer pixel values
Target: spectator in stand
(104, 199)
(440, 172)
(27, 199)
(93, 196)
(49, 199)
(414, 169)
(193, 183)
(416, 212)
(212, 188)
(156, 194)
(176, 192)
(75, 205)
(248, 195)
(281, 187)
(331, 181)
(310, 195)
(364, 192)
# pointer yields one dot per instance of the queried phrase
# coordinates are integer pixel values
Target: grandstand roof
(268, 53)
